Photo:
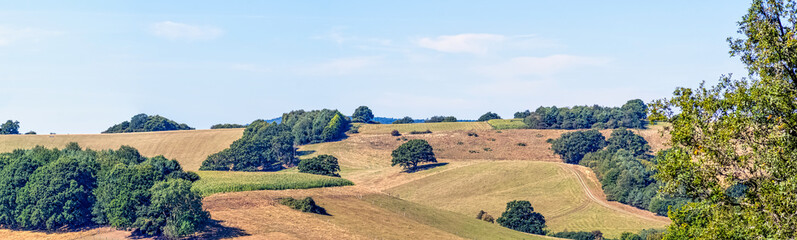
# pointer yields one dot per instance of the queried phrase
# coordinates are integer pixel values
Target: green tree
(520, 216)
(174, 210)
(362, 114)
(321, 165)
(411, 153)
(404, 120)
(143, 123)
(488, 116)
(626, 139)
(572, 146)
(738, 132)
(9, 127)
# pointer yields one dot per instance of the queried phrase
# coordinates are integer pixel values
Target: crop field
(189, 147)
(212, 182)
(552, 190)
(499, 124)
(434, 127)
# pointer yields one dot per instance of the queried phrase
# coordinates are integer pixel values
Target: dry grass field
(434, 127)
(189, 147)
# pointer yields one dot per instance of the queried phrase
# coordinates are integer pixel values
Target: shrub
(305, 205)
(480, 214)
(421, 132)
(571, 147)
(353, 129)
(488, 116)
(413, 152)
(488, 149)
(521, 144)
(460, 143)
(320, 165)
(520, 216)
(30, 133)
(404, 120)
(473, 134)
(362, 114)
(488, 218)
(594, 235)
(491, 139)
(473, 151)
(395, 133)
(499, 131)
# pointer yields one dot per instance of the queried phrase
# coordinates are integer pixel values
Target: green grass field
(499, 124)
(553, 191)
(434, 127)
(219, 181)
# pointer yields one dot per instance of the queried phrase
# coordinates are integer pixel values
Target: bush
(594, 235)
(521, 144)
(480, 214)
(488, 149)
(395, 133)
(437, 119)
(421, 132)
(305, 205)
(520, 216)
(473, 134)
(30, 133)
(411, 153)
(404, 120)
(320, 165)
(488, 218)
(488, 116)
(353, 130)
(144, 123)
(571, 147)
(460, 143)
(362, 114)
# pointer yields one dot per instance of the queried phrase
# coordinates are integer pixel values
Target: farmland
(434, 127)
(516, 123)
(212, 182)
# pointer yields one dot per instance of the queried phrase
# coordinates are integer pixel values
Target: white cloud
(177, 31)
(476, 43)
(342, 66)
(540, 66)
(10, 35)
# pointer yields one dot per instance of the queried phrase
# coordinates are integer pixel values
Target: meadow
(499, 124)
(434, 127)
(212, 182)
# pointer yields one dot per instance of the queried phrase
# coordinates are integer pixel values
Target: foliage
(9, 127)
(404, 120)
(739, 132)
(594, 235)
(30, 133)
(395, 133)
(523, 114)
(174, 210)
(411, 153)
(572, 146)
(219, 182)
(632, 114)
(320, 165)
(305, 205)
(227, 125)
(362, 114)
(315, 126)
(520, 216)
(488, 116)
(427, 131)
(435, 119)
(625, 139)
(488, 218)
(144, 123)
(263, 147)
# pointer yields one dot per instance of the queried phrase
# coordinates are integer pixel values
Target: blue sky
(82, 67)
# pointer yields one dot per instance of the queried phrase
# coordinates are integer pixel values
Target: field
(212, 182)
(189, 147)
(499, 124)
(434, 127)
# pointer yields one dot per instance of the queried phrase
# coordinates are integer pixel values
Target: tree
(411, 153)
(436, 119)
(573, 146)
(625, 139)
(738, 132)
(488, 116)
(404, 120)
(320, 165)
(523, 114)
(227, 125)
(362, 114)
(143, 123)
(520, 216)
(10, 127)
(174, 210)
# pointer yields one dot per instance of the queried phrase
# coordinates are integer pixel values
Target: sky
(80, 67)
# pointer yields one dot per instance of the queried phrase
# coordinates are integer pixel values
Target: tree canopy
(321, 165)
(411, 153)
(227, 125)
(734, 142)
(404, 120)
(633, 114)
(436, 119)
(488, 116)
(520, 216)
(362, 114)
(144, 123)
(573, 146)
(9, 127)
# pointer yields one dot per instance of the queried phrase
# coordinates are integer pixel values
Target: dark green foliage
(174, 210)
(441, 119)
(144, 123)
(9, 127)
(411, 153)
(320, 165)
(315, 126)
(488, 116)
(395, 133)
(480, 214)
(404, 120)
(362, 114)
(628, 140)
(30, 133)
(630, 236)
(594, 235)
(520, 216)
(18, 168)
(427, 131)
(523, 114)
(58, 194)
(305, 205)
(121, 192)
(571, 147)
(633, 114)
(227, 125)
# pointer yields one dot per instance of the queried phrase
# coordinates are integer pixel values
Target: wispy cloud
(476, 43)
(181, 31)
(541, 66)
(9, 35)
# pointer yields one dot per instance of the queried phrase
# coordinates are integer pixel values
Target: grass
(212, 182)
(434, 127)
(516, 123)
(553, 191)
(189, 147)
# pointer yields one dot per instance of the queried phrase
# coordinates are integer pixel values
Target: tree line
(633, 114)
(271, 146)
(9, 127)
(144, 123)
(49, 189)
